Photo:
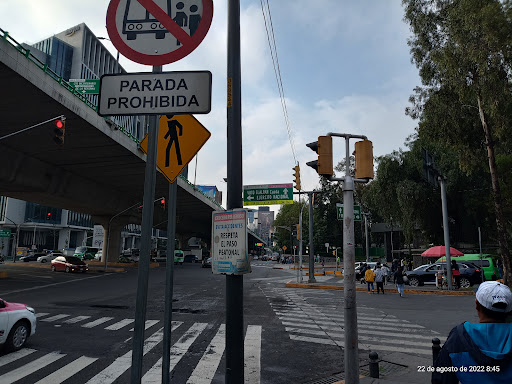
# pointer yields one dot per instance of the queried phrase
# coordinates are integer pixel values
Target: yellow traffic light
(323, 166)
(297, 177)
(364, 159)
(298, 231)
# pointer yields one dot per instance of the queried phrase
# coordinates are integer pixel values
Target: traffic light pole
(31, 127)
(311, 248)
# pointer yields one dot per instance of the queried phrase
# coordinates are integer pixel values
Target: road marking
(41, 314)
(30, 368)
(313, 340)
(99, 321)
(120, 324)
(147, 324)
(67, 371)
(39, 287)
(154, 375)
(55, 318)
(6, 359)
(77, 319)
(207, 366)
(252, 355)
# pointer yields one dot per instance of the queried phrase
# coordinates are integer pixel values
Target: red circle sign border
(167, 58)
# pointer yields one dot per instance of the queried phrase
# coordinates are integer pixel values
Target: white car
(98, 255)
(48, 257)
(17, 323)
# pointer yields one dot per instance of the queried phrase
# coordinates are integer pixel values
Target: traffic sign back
(180, 137)
(158, 32)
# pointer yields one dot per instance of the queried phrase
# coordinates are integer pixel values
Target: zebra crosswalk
(315, 317)
(30, 365)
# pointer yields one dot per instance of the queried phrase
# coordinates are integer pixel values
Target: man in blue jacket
(481, 352)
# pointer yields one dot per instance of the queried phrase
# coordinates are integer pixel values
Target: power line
(277, 71)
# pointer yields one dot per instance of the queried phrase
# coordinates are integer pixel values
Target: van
(179, 257)
(85, 253)
(486, 262)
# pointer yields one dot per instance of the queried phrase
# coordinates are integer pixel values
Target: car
(69, 264)
(31, 257)
(98, 255)
(85, 253)
(485, 261)
(469, 274)
(17, 324)
(48, 257)
(207, 263)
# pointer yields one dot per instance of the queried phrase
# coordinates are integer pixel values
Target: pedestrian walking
(480, 352)
(380, 275)
(386, 270)
(369, 277)
(399, 281)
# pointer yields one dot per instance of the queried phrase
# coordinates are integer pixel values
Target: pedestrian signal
(59, 130)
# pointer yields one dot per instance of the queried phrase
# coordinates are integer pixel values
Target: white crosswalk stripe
(97, 322)
(55, 318)
(120, 324)
(306, 319)
(94, 370)
(77, 319)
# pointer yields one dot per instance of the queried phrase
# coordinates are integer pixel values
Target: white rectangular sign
(155, 93)
(229, 243)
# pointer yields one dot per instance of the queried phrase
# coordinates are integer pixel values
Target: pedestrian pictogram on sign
(158, 32)
(180, 137)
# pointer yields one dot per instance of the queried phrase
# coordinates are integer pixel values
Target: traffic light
(297, 177)
(49, 216)
(322, 166)
(364, 159)
(59, 130)
(162, 203)
(298, 231)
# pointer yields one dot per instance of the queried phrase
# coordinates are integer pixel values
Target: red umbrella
(440, 251)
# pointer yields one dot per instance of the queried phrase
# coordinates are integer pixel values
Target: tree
(463, 49)
(288, 217)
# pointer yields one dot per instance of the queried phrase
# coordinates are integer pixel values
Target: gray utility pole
(367, 237)
(311, 249)
(351, 357)
(446, 231)
(145, 248)
(299, 235)
(234, 283)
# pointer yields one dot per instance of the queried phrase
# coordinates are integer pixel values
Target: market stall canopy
(440, 251)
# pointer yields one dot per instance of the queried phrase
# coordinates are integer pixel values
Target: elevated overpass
(99, 170)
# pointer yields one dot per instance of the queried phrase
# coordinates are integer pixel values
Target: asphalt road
(292, 335)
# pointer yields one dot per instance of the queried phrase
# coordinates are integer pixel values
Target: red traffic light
(48, 216)
(59, 124)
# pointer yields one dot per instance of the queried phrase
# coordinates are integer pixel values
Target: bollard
(436, 347)
(374, 365)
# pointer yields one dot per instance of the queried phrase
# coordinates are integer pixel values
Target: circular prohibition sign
(188, 43)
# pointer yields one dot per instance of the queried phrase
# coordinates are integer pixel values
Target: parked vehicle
(207, 263)
(98, 255)
(179, 257)
(469, 274)
(486, 262)
(31, 257)
(17, 323)
(85, 253)
(69, 264)
(48, 257)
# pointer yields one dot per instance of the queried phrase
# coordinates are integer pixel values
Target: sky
(345, 68)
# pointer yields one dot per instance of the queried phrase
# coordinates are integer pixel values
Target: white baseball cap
(492, 292)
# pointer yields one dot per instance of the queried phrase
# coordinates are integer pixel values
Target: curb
(289, 284)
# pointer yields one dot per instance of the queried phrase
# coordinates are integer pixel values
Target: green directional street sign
(268, 194)
(5, 233)
(357, 212)
(86, 86)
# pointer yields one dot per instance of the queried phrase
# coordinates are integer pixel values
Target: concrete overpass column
(64, 237)
(114, 243)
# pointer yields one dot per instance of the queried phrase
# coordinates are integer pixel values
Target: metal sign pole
(234, 283)
(311, 247)
(145, 249)
(446, 231)
(169, 282)
(350, 313)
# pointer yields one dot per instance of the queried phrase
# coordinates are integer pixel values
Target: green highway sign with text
(268, 194)
(357, 212)
(86, 86)
(5, 233)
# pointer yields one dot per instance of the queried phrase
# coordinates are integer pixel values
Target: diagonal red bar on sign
(166, 21)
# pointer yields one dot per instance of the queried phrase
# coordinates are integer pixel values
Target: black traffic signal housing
(162, 203)
(297, 177)
(59, 130)
(364, 159)
(49, 216)
(323, 165)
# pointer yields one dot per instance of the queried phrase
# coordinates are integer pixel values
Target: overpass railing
(4, 35)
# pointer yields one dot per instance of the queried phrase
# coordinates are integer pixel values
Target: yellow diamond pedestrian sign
(180, 137)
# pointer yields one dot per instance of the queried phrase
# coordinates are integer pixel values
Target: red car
(68, 264)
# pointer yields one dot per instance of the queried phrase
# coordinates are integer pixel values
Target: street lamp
(117, 57)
